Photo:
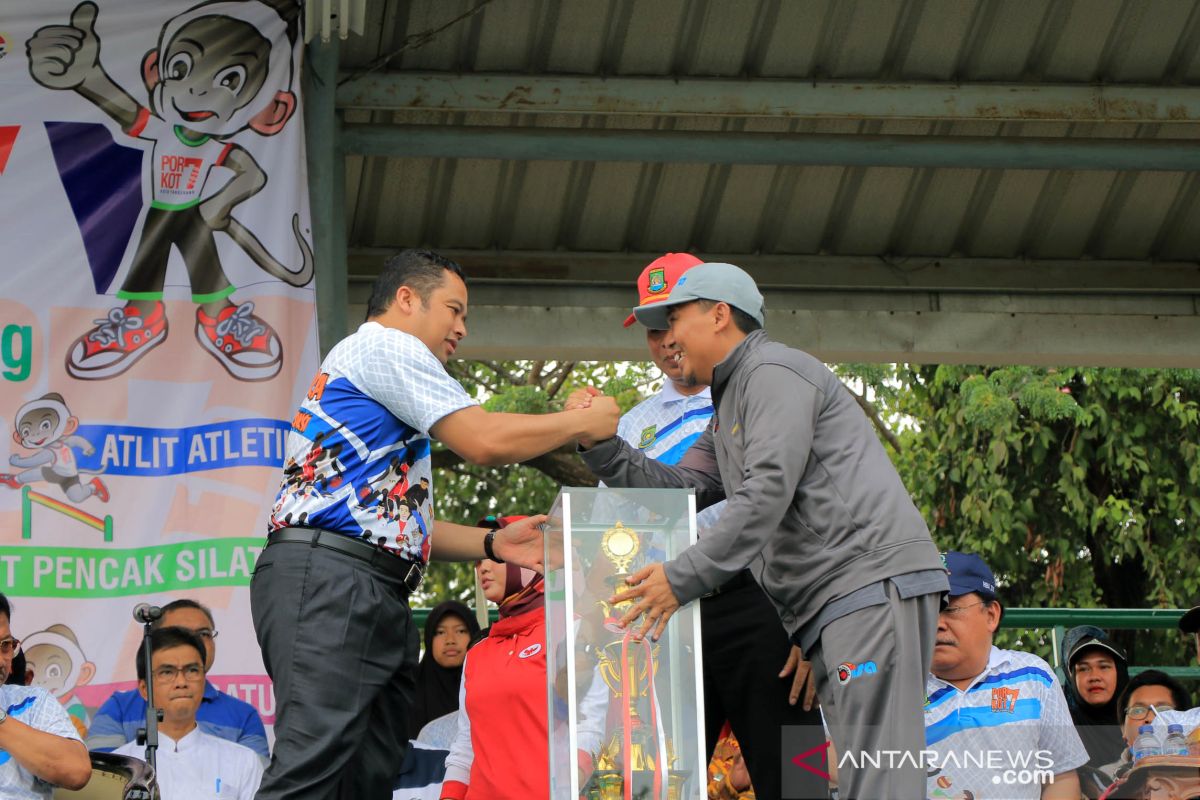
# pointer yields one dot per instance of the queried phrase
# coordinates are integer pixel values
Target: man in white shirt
(39, 746)
(191, 764)
(996, 720)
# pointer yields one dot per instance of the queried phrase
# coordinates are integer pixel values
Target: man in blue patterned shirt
(747, 655)
(39, 746)
(996, 721)
(353, 527)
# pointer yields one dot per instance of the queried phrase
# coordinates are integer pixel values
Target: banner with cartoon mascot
(157, 321)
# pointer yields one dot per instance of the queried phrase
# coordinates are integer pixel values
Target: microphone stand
(149, 734)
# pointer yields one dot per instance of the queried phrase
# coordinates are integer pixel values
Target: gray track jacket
(816, 509)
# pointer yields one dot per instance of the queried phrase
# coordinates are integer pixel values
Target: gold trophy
(627, 668)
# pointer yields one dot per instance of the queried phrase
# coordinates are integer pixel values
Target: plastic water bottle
(1175, 744)
(1146, 744)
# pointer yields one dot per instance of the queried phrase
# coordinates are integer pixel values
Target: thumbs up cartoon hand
(64, 56)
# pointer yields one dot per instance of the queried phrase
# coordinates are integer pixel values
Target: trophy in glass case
(625, 711)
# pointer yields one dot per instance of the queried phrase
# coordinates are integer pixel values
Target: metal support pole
(326, 189)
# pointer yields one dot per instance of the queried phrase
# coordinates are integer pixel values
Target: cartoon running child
(46, 426)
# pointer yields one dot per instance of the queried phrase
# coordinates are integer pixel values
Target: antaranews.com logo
(959, 773)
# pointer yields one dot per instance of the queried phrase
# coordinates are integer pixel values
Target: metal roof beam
(766, 97)
(571, 306)
(532, 326)
(829, 273)
(694, 147)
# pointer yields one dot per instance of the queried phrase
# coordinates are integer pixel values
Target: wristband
(489, 551)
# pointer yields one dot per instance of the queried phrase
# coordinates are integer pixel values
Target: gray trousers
(339, 643)
(870, 668)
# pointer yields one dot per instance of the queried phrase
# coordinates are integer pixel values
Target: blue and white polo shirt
(37, 708)
(665, 426)
(1002, 737)
(358, 456)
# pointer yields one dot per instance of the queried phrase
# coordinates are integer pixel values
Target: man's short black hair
(5, 606)
(741, 320)
(1153, 677)
(423, 271)
(176, 605)
(165, 638)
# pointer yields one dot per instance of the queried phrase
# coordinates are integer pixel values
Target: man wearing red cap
(744, 643)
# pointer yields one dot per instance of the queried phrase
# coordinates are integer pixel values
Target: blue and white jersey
(37, 708)
(665, 426)
(1002, 737)
(358, 457)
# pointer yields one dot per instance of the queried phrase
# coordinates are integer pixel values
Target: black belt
(739, 581)
(410, 573)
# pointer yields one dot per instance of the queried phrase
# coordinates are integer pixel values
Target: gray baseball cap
(723, 283)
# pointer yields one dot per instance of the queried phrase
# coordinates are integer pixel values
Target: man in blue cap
(996, 721)
(815, 511)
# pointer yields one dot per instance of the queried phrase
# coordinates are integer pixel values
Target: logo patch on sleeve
(648, 437)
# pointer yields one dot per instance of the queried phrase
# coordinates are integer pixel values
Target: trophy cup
(638, 759)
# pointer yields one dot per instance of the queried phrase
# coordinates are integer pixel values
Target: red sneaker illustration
(247, 347)
(116, 343)
(9, 480)
(99, 489)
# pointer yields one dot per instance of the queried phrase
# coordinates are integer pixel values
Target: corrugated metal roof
(541, 205)
(1112, 41)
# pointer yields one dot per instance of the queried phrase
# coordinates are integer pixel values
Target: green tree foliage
(1080, 487)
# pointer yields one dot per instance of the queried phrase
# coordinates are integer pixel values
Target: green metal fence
(1058, 620)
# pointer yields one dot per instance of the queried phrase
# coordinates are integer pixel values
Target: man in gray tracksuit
(816, 512)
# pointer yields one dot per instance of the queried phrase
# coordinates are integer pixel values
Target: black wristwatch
(489, 540)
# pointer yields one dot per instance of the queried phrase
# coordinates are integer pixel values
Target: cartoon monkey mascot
(46, 426)
(60, 667)
(220, 68)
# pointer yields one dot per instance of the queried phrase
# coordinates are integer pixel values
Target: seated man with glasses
(1147, 694)
(39, 746)
(190, 762)
(996, 720)
(221, 715)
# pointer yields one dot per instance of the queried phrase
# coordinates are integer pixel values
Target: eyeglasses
(169, 672)
(957, 611)
(205, 633)
(1140, 711)
(9, 646)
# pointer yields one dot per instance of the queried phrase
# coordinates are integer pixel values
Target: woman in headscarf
(1097, 674)
(500, 748)
(449, 630)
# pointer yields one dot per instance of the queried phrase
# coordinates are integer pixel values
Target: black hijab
(1097, 725)
(437, 686)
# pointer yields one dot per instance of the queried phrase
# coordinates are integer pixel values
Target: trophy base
(610, 785)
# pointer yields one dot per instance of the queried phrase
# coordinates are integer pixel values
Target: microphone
(145, 613)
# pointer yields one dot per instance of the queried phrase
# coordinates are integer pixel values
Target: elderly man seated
(996, 720)
(191, 764)
(39, 746)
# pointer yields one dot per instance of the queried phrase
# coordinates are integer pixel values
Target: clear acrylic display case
(626, 717)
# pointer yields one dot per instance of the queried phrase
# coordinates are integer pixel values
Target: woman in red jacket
(500, 749)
